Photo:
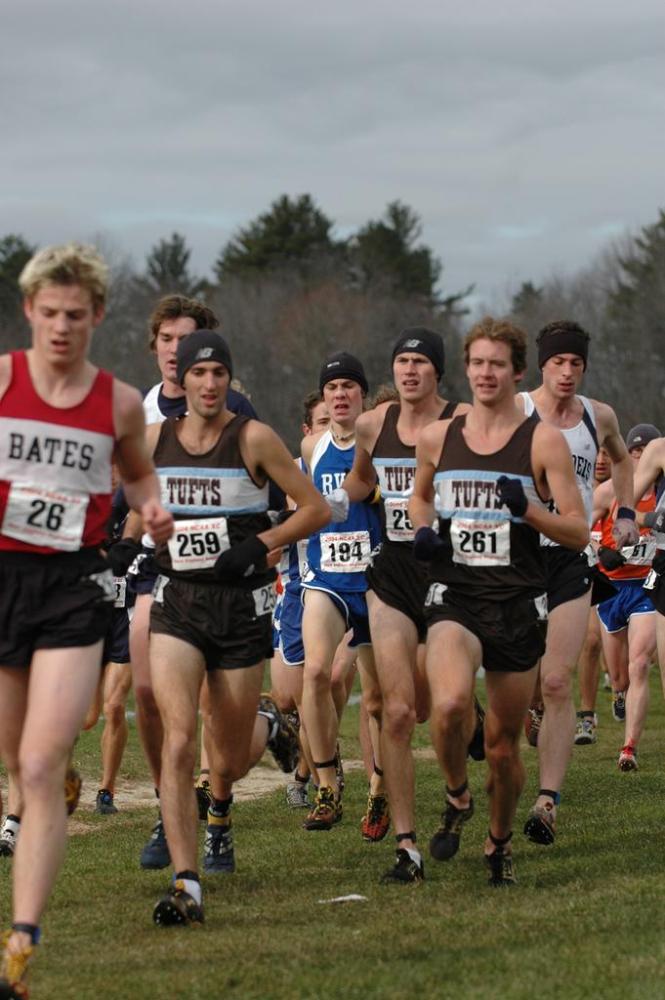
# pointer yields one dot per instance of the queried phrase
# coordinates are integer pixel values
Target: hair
(385, 393)
(175, 306)
(503, 331)
(67, 264)
(311, 400)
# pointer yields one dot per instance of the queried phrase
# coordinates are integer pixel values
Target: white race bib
(265, 599)
(641, 554)
(43, 516)
(480, 543)
(120, 584)
(398, 525)
(198, 544)
(345, 551)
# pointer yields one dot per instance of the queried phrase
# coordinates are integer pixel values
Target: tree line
(288, 291)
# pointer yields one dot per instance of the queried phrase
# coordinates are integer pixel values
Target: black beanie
(563, 338)
(202, 345)
(343, 365)
(420, 340)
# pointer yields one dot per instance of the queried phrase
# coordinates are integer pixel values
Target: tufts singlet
(395, 464)
(55, 466)
(582, 440)
(214, 501)
(489, 553)
(340, 552)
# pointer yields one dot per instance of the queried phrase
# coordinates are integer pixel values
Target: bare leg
(117, 683)
(148, 719)
(641, 647)
(323, 629)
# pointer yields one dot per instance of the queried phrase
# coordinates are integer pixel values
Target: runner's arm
(360, 481)
(650, 466)
(428, 451)
(550, 455)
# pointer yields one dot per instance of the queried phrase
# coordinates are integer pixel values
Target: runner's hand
(426, 544)
(156, 521)
(655, 519)
(121, 555)
(511, 494)
(625, 532)
(610, 559)
(338, 501)
(244, 559)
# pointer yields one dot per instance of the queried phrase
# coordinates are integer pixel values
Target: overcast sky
(525, 134)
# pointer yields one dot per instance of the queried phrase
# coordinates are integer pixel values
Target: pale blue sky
(525, 135)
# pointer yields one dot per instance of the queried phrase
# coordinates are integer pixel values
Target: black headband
(202, 345)
(562, 341)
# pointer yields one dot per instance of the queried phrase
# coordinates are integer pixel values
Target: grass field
(586, 920)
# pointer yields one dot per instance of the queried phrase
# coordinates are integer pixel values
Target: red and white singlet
(55, 466)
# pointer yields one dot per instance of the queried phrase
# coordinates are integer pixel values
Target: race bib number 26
(48, 517)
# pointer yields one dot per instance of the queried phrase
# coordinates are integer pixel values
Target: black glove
(655, 519)
(658, 564)
(121, 555)
(426, 544)
(244, 559)
(610, 559)
(511, 494)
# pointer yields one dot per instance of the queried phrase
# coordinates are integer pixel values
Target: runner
(63, 420)
(628, 618)
(173, 318)
(397, 584)
(588, 663)
(586, 424)
(334, 589)
(488, 470)
(211, 612)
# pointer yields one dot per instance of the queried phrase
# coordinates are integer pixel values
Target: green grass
(587, 919)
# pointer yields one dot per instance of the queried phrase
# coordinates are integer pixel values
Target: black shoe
(203, 799)
(104, 803)
(500, 869)
(405, 869)
(218, 853)
(476, 748)
(177, 907)
(156, 852)
(284, 745)
(540, 826)
(444, 845)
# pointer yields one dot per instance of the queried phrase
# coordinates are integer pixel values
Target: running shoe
(156, 852)
(540, 826)
(104, 803)
(218, 855)
(283, 742)
(296, 795)
(177, 907)
(73, 785)
(203, 798)
(476, 748)
(444, 845)
(500, 871)
(376, 821)
(532, 724)
(585, 731)
(327, 810)
(7, 841)
(619, 706)
(628, 758)
(14, 971)
(405, 869)
(339, 769)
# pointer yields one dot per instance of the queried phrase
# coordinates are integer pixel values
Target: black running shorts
(511, 632)
(400, 581)
(116, 642)
(232, 627)
(568, 575)
(52, 602)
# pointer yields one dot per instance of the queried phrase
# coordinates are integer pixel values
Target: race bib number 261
(480, 543)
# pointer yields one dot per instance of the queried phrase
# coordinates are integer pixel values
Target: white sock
(414, 855)
(191, 886)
